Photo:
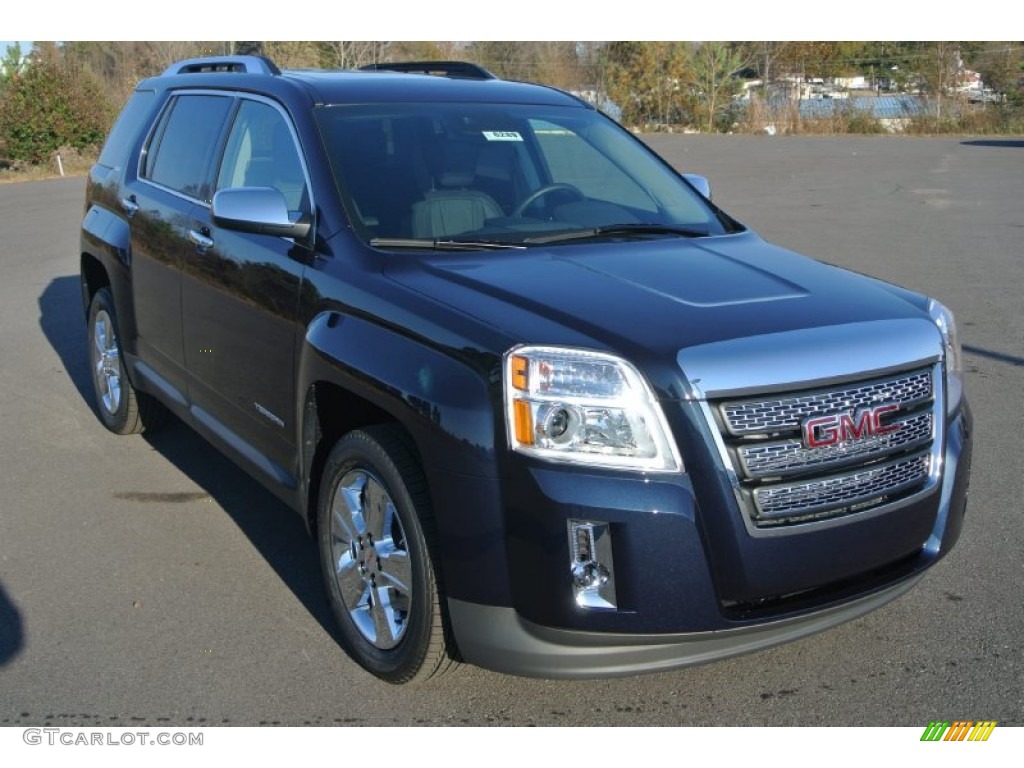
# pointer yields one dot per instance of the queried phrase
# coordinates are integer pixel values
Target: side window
(185, 143)
(572, 160)
(261, 152)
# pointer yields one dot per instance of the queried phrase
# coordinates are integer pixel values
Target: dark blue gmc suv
(545, 407)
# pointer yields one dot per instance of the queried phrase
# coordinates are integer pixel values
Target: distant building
(892, 112)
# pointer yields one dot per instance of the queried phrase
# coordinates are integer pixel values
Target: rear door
(240, 300)
(173, 178)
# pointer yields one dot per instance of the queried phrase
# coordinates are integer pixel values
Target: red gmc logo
(840, 427)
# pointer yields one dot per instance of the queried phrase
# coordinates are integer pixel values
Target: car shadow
(994, 143)
(275, 530)
(12, 635)
(62, 321)
(993, 355)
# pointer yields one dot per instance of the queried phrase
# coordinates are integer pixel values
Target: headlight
(943, 318)
(584, 407)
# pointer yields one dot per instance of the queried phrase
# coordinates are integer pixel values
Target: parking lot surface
(147, 581)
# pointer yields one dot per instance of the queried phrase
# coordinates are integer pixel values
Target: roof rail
(256, 65)
(463, 69)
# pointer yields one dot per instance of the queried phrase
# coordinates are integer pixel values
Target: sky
(522, 20)
(26, 46)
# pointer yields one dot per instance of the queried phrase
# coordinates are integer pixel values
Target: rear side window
(126, 130)
(184, 143)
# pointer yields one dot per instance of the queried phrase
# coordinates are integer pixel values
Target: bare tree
(348, 54)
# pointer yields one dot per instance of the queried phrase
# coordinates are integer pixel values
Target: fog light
(591, 565)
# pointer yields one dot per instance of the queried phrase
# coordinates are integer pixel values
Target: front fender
(444, 400)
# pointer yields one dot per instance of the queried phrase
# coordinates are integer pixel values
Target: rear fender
(106, 238)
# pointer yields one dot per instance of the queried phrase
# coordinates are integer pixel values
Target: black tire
(377, 557)
(121, 409)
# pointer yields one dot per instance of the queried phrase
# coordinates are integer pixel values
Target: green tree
(648, 80)
(11, 63)
(51, 105)
(713, 78)
(1001, 65)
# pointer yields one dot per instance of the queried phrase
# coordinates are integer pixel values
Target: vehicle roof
(326, 87)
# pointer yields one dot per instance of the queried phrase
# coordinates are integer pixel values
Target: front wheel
(375, 533)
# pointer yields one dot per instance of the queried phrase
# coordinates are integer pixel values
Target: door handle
(201, 241)
(129, 205)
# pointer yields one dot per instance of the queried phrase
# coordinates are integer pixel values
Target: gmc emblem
(841, 427)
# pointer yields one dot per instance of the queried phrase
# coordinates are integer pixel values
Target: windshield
(497, 174)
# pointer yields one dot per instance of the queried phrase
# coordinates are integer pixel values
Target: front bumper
(672, 612)
(500, 639)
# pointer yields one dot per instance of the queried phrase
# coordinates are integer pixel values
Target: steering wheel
(531, 198)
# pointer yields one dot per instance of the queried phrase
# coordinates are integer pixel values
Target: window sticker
(502, 136)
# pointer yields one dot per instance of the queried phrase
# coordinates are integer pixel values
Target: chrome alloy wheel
(106, 362)
(370, 559)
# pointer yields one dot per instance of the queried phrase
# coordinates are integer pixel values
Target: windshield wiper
(437, 244)
(611, 230)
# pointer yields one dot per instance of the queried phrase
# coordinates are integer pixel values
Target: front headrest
(455, 179)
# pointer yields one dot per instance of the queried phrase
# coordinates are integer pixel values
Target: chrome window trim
(236, 98)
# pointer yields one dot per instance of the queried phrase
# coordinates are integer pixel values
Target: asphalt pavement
(147, 581)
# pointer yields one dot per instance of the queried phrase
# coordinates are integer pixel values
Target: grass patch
(75, 163)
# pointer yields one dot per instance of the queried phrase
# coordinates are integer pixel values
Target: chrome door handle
(201, 241)
(129, 205)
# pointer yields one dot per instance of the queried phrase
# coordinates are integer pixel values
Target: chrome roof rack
(462, 69)
(258, 65)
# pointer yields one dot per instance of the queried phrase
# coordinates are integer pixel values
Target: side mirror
(700, 183)
(262, 210)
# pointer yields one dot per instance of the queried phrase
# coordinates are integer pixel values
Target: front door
(240, 302)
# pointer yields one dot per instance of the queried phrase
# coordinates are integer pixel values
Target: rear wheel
(376, 532)
(121, 409)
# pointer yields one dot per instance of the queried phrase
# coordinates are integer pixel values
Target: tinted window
(502, 172)
(185, 144)
(126, 130)
(261, 152)
(572, 160)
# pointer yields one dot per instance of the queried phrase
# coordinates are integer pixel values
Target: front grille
(781, 481)
(783, 412)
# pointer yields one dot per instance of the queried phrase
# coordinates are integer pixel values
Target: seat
(453, 210)
(452, 207)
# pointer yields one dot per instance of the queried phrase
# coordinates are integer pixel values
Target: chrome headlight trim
(953, 360)
(596, 390)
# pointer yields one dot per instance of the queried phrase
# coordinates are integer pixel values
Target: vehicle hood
(650, 300)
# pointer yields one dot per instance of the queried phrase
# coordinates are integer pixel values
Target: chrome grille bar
(789, 457)
(782, 413)
(874, 483)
